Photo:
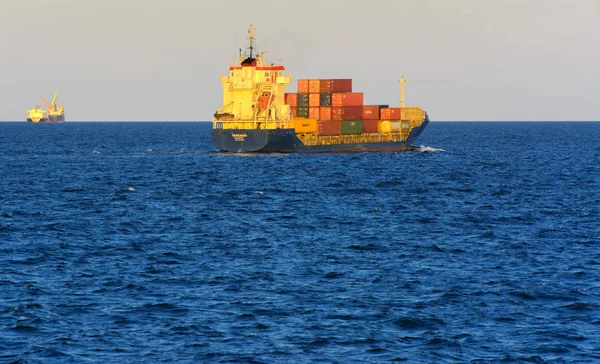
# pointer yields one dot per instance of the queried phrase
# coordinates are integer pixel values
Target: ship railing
(253, 124)
(314, 139)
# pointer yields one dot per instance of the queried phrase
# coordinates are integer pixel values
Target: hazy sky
(160, 60)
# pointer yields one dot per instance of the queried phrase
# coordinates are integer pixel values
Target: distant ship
(56, 113)
(37, 115)
(325, 115)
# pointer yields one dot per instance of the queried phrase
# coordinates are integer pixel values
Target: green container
(303, 112)
(325, 99)
(302, 100)
(352, 127)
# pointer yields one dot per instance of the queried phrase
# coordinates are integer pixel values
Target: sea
(139, 242)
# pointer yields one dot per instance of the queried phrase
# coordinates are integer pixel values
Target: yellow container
(385, 126)
(412, 113)
(303, 125)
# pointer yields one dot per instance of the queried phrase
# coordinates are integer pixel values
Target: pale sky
(150, 60)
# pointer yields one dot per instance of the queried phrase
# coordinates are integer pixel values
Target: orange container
(303, 86)
(385, 113)
(294, 111)
(352, 112)
(390, 113)
(325, 113)
(341, 85)
(325, 86)
(303, 125)
(371, 126)
(314, 86)
(337, 99)
(329, 127)
(313, 112)
(371, 112)
(337, 113)
(352, 99)
(291, 99)
(314, 99)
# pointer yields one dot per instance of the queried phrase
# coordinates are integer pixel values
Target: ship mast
(251, 37)
(401, 80)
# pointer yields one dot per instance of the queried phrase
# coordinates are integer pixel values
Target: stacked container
(334, 109)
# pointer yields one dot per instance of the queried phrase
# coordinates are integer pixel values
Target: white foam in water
(130, 189)
(425, 149)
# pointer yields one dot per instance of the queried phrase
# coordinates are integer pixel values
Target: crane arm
(45, 102)
(54, 99)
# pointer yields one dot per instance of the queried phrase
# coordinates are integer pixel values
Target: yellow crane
(56, 113)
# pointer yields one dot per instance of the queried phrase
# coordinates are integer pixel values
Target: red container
(370, 112)
(313, 112)
(325, 113)
(303, 86)
(337, 113)
(391, 113)
(352, 112)
(291, 99)
(352, 99)
(314, 86)
(341, 85)
(294, 111)
(325, 86)
(370, 126)
(329, 127)
(337, 99)
(314, 99)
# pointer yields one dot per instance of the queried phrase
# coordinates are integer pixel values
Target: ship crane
(52, 106)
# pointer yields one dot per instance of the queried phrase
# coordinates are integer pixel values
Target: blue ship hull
(286, 141)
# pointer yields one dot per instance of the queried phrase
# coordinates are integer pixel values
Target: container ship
(37, 115)
(56, 113)
(325, 115)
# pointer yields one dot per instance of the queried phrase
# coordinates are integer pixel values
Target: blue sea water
(138, 242)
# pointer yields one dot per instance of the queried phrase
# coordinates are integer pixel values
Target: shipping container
(353, 99)
(314, 99)
(303, 86)
(294, 111)
(390, 113)
(314, 86)
(291, 99)
(329, 127)
(352, 113)
(352, 127)
(303, 100)
(303, 112)
(337, 99)
(313, 112)
(303, 125)
(325, 113)
(341, 85)
(325, 86)
(326, 99)
(337, 113)
(385, 126)
(370, 112)
(370, 126)
(405, 125)
(413, 113)
(395, 126)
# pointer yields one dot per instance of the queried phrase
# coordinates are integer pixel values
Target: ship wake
(426, 149)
